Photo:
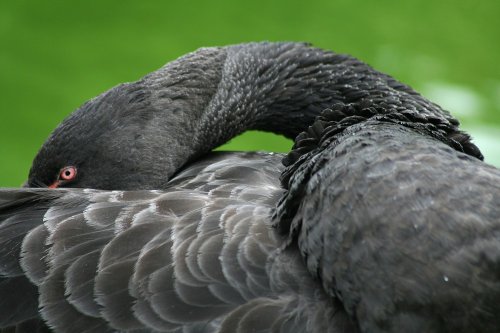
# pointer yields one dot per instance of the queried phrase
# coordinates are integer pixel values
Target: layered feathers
(200, 256)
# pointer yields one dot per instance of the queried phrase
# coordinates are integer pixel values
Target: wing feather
(34, 250)
(80, 277)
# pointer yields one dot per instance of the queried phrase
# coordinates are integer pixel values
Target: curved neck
(283, 87)
(273, 87)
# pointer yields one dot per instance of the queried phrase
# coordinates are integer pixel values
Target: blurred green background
(54, 55)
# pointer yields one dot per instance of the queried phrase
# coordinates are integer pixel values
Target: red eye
(68, 173)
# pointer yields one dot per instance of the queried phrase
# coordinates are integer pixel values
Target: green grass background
(54, 55)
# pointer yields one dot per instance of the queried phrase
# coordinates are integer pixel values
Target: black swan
(387, 220)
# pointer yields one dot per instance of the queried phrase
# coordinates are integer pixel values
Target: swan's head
(136, 135)
(111, 142)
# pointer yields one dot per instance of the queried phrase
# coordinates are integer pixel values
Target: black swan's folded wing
(200, 257)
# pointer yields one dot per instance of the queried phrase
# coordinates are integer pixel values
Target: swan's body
(372, 231)
(200, 256)
(409, 235)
